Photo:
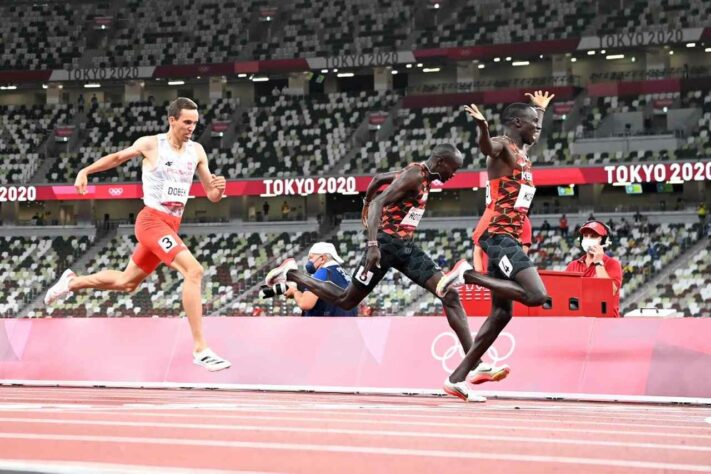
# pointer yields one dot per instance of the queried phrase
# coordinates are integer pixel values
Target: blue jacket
(334, 274)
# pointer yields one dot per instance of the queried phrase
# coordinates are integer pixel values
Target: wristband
(541, 109)
(373, 243)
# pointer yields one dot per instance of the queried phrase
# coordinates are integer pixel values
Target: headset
(600, 228)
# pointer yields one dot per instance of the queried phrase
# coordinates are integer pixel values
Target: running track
(98, 430)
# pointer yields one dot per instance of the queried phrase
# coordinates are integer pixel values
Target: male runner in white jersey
(169, 164)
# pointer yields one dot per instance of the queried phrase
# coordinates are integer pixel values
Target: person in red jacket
(594, 236)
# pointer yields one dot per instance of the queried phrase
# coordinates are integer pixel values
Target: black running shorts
(402, 255)
(506, 257)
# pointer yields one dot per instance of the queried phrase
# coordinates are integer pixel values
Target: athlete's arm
(213, 185)
(487, 146)
(378, 181)
(405, 184)
(140, 147)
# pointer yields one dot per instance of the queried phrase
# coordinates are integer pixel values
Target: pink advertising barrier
(636, 357)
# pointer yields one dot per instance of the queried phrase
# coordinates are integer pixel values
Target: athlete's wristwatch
(373, 243)
(598, 264)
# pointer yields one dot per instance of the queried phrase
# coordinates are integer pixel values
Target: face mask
(310, 267)
(587, 243)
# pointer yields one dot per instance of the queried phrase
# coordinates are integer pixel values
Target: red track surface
(131, 430)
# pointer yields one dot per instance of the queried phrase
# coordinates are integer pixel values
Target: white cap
(325, 248)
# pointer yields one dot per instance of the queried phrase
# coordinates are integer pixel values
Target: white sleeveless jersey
(167, 186)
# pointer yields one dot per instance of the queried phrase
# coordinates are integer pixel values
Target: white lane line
(365, 450)
(342, 401)
(708, 420)
(484, 427)
(362, 410)
(70, 467)
(117, 395)
(544, 396)
(345, 431)
(383, 416)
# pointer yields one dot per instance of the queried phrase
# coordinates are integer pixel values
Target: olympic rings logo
(116, 191)
(449, 340)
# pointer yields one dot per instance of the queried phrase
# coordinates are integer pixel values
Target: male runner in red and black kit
(512, 275)
(392, 218)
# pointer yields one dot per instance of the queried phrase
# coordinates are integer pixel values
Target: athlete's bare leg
(192, 273)
(528, 288)
(127, 280)
(527, 281)
(456, 316)
(501, 313)
(345, 298)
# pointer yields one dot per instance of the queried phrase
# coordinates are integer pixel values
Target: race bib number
(412, 219)
(167, 243)
(363, 278)
(175, 193)
(525, 197)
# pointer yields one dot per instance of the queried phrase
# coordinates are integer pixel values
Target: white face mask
(588, 242)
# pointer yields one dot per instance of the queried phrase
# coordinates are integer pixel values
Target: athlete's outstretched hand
(474, 113)
(540, 98)
(219, 183)
(372, 259)
(81, 182)
(364, 214)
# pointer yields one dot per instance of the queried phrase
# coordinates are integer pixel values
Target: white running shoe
(60, 290)
(278, 274)
(453, 278)
(210, 361)
(487, 373)
(462, 390)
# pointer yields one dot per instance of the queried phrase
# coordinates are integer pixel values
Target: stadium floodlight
(394, 71)
(615, 56)
(671, 52)
(508, 58)
(520, 63)
(345, 74)
(92, 86)
(708, 50)
(409, 66)
(481, 66)
(431, 69)
(496, 60)
(8, 88)
(591, 52)
(572, 60)
(260, 79)
(324, 71)
(690, 45)
(419, 64)
(176, 83)
(242, 75)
